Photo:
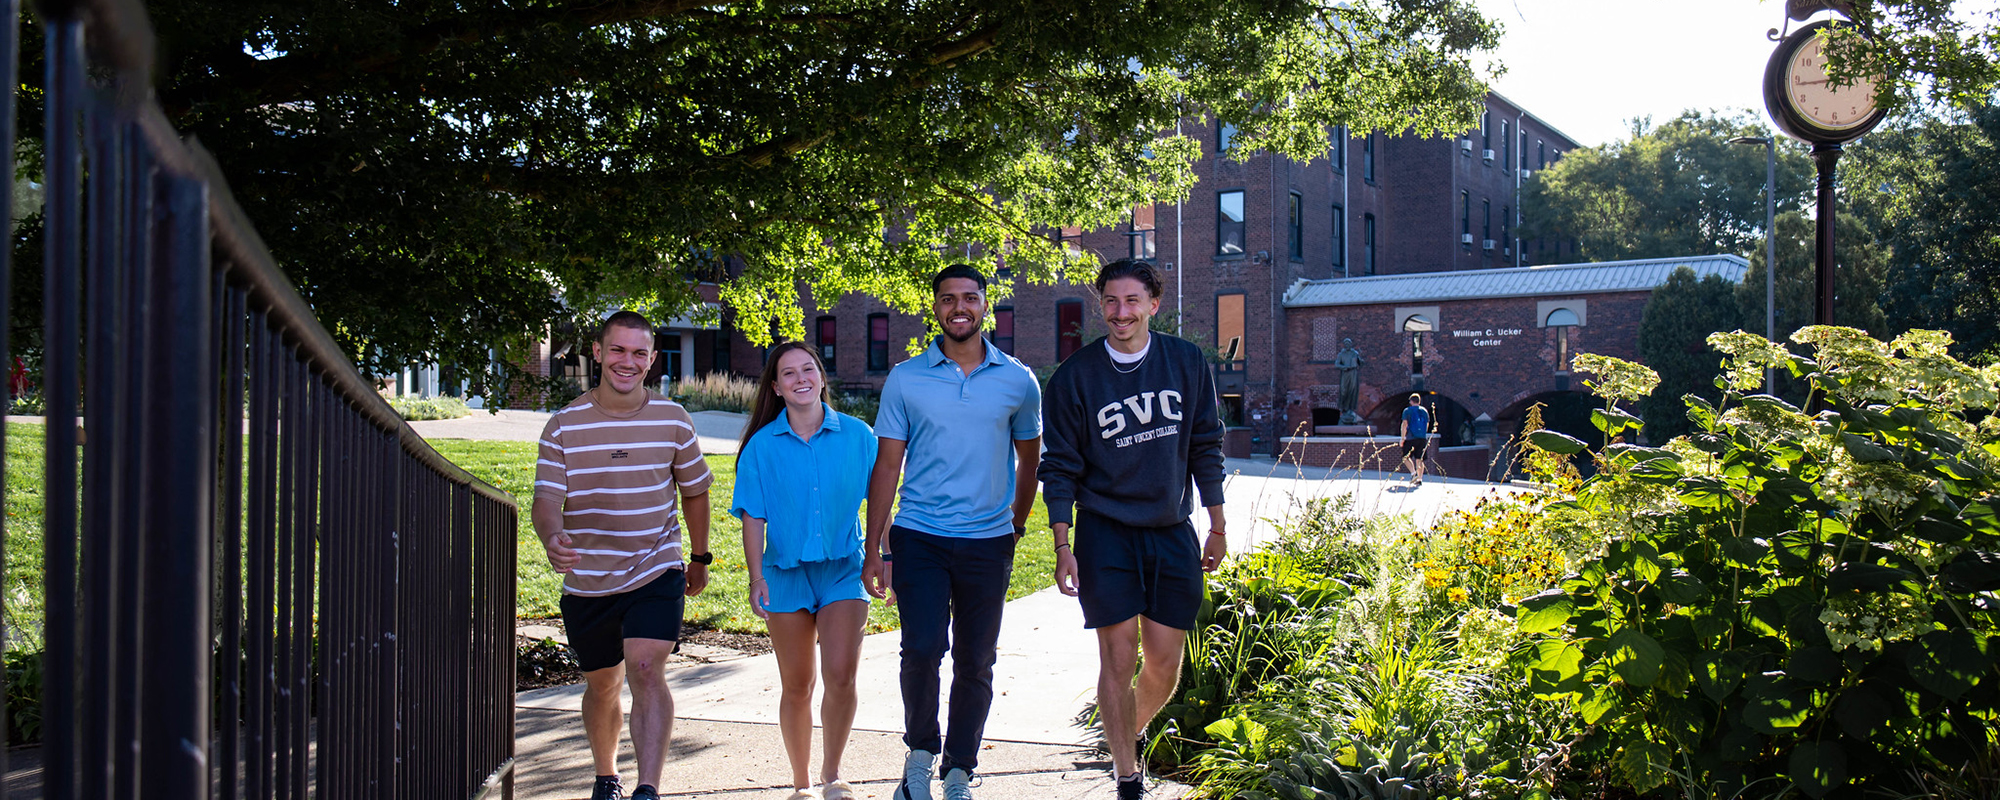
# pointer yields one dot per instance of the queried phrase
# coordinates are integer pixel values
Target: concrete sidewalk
(1044, 681)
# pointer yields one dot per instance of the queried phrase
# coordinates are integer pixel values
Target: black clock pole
(1824, 156)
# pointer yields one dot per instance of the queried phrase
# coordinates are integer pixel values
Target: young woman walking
(801, 476)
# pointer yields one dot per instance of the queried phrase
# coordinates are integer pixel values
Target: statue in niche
(1349, 363)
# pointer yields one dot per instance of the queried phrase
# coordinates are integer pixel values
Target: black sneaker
(645, 792)
(1132, 787)
(607, 789)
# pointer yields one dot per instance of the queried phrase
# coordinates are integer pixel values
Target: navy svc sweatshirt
(1132, 446)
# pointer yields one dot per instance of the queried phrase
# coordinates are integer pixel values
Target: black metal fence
(259, 582)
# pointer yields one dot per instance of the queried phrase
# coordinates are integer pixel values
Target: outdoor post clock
(1809, 108)
(1805, 104)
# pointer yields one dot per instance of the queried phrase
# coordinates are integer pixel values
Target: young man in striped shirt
(612, 464)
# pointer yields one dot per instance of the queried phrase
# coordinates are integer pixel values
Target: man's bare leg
(603, 716)
(1160, 672)
(1117, 657)
(652, 705)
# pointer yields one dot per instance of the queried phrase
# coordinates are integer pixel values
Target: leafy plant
(423, 408)
(1804, 595)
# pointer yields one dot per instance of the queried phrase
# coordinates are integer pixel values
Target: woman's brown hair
(768, 406)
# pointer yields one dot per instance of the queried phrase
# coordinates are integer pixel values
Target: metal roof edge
(1300, 285)
(1544, 123)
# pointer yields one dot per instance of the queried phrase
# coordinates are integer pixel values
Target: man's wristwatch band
(703, 559)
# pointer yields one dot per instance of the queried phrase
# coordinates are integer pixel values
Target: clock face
(1809, 93)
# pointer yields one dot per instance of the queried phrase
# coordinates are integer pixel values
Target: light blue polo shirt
(808, 492)
(958, 472)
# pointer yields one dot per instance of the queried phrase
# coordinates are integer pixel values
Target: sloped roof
(1478, 284)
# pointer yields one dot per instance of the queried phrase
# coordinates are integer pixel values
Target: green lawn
(511, 465)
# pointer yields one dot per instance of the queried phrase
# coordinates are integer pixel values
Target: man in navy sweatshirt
(1131, 430)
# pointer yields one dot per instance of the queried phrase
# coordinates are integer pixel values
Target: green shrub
(1790, 595)
(717, 391)
(859, 405)
(424, 408)
(28, 405)
(24, 696)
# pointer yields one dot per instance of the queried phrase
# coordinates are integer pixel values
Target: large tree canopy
(435, 174)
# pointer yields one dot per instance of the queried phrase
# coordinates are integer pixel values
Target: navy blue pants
(950, 593)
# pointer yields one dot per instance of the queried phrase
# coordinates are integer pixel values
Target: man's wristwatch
(1020, 531)
(703, 559)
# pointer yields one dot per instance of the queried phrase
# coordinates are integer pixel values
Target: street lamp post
(1770, 244)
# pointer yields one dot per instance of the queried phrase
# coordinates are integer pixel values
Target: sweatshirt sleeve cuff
(1211, 493)
(1059, 510)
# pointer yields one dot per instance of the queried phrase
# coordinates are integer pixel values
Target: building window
(1486, 213)
(1229, 330)
(1140, 237)
(1416, 326)
(1069, 328)
(878, 342)
(1507, 144)
(1003, 329)
(1339, 237)
(1297, 233)
(1368, 243)
(828, 335)
(1541, 156)
(1229, 223)
(723, 337)
(1506, 232)
(1368, 158)
(667, 346)
(1486, 131)
(1465, 213)
(1225, 137)
(1337, 149)
(1070, 239)
(1524, 149)
(1562, 319)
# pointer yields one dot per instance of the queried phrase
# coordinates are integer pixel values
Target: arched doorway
(1451, 420)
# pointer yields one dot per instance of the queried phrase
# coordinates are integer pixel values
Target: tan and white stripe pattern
(619, 480)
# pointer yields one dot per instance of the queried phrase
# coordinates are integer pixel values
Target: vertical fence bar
(305, 507)
(177, 511)
(61, 240)
(229, 538)
(103, 534)
(138, 246)
(263, 488)
(10, 59)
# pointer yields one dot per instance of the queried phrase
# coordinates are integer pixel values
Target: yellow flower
(1458, 594)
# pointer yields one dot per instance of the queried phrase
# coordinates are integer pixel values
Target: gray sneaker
(917, 769)
(957, 784)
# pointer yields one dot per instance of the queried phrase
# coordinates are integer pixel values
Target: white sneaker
(957, 784)
(917, 769)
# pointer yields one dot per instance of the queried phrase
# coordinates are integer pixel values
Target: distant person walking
(612, 464)
(1133, 433)
(961, 427)
(801, 474)
(1416, 438)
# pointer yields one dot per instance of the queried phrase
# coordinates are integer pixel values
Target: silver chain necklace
(1135, 365)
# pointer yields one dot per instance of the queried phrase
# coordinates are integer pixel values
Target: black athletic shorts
(598, 626)
(1125, 571)
(1414, 448)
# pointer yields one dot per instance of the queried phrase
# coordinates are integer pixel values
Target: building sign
(1488, 337)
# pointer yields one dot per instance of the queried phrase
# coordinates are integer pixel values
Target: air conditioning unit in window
(1465, 146)
(1488, 155)
(1527, 173)
(1506, 251)
(1488, 244)
(1466, 239)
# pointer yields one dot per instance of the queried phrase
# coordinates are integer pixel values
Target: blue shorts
(812, 585)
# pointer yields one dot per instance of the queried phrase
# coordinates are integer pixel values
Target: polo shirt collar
(781, 426)
(934, 355)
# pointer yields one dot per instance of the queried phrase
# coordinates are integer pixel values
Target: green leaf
(1558, 443)
(1596, 702)
(1613, 421)
(1942, 531)
(1850, 576)
(1719, 673)
(1681, 588)
(1865, 451)
(1636, 657)
(1948, 663)
(1740, 744)
(1745, 552)
(1774, 707)
(1557, 671)
(1818, 664)
(1971, 571)
(1983, 516)
(1704, 492)
(1645, 764)
(1861, 713)
(1794, 550)
(1544, 612)
(1633, 455)
(1818, 767)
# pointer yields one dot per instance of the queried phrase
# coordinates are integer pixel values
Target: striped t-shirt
(616, 478)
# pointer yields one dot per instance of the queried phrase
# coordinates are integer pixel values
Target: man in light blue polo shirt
(961, 426)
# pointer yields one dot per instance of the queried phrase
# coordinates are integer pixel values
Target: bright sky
(1589, 66)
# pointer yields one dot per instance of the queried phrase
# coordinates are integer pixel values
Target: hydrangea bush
(1799, 596)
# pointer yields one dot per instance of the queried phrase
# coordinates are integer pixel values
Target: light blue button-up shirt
(807, 491)
(958, 472)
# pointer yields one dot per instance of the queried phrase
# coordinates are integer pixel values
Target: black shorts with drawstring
(1124, 571)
